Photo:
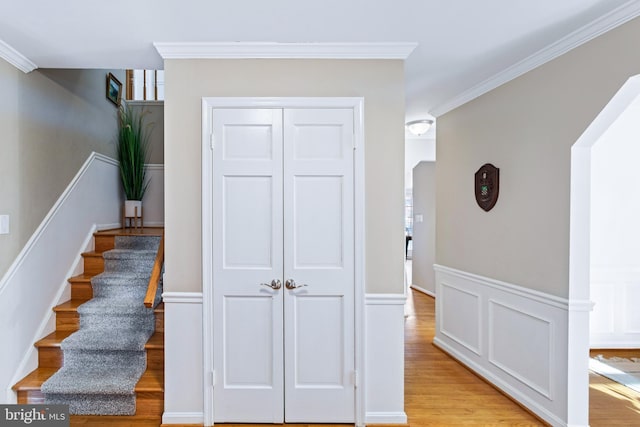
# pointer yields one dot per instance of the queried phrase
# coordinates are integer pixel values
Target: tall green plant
(133, 152)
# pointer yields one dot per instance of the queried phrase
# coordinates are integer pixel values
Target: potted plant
(133, 154)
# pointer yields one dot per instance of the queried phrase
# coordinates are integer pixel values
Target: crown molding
(270, 50)
(617, 17)
(15, 58)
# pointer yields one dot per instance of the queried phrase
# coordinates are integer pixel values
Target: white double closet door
(283, 267)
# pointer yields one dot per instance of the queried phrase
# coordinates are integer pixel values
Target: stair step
(159, 312)
(81, 287)
(93, 262)
(50, 354)
(149, 390)
(103, 242)
(67, 318)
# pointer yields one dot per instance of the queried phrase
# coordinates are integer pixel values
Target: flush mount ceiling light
(419, 127)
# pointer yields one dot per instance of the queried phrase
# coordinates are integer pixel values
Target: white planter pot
(130, 208)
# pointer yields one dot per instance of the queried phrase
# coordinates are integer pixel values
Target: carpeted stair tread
(114, 339)
(129, 254)
(137, 242)
(120, 277)
(96, 404)
(151, 381)
(99, 305)
(106, 357)
(96, 379)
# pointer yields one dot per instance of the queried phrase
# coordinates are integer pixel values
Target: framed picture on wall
(114, 89)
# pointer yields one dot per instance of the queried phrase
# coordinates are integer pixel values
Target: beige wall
(526, 128)
(51, 121)
(424, 239)
(381, 83)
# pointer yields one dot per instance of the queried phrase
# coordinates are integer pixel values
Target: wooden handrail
(154, 280)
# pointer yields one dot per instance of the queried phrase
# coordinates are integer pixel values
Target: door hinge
(211, 139)
(355, 379)
(212, 378)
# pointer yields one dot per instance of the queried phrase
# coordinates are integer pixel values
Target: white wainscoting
(37, 279)
(183, 397)
(615, 321)
(384, 370)
(514, 337)
(384, 359)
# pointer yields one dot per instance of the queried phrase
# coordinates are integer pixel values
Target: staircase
(149, 389)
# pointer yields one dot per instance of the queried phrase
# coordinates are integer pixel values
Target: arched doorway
(610, 119)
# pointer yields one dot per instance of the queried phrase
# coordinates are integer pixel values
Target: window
(145, 85)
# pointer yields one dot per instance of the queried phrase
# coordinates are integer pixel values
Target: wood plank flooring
(464, 399)
(610, 403)
(440, 392)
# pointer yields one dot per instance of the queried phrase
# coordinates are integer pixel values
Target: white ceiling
(465, 47)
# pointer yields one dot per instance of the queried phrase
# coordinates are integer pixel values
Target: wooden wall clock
(487, 186)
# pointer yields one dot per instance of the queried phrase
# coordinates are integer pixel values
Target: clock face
(487, 186)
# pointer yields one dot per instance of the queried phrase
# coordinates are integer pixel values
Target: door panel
(317, 220)
(319, 253)
(283, 207)
(318, 319)
(248, 364)
(247, 206)
(248, 210)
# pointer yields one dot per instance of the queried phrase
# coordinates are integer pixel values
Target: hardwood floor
(441, 392)
(610, 403)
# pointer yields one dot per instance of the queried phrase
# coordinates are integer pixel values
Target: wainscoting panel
(384, 353)
(531, 364)
(455, 324)
(615, 321)
(183, 399)
(514, 337)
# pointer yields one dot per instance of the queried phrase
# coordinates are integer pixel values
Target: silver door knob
(291, 284)
(275, 284)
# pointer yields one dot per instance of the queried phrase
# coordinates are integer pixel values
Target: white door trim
(209, 103)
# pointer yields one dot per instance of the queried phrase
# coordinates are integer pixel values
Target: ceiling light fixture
(419, 127)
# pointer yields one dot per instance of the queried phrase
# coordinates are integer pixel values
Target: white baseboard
(109, 226)
(385, 418)
(182, 418)
(514, 337)
(611, 344)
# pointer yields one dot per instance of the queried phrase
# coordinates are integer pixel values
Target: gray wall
(526, 128)
(154, 117)
(51, 121)
(424, 232)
